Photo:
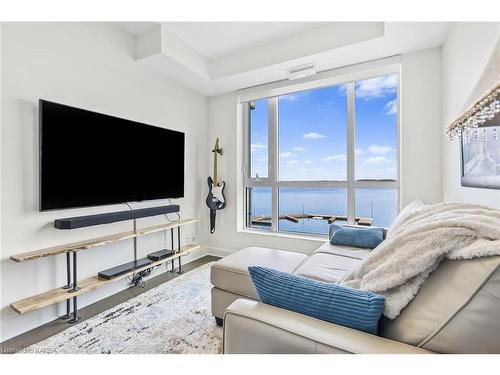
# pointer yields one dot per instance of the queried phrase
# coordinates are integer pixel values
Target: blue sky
(313, 132)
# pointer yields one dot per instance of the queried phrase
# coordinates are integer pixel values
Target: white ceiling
(137, 28)
(216, 39)
(218, 57)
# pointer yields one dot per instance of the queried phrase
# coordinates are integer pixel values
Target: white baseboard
(200, 253)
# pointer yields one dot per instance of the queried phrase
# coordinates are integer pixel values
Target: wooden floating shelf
(96, 242)
(92, 283)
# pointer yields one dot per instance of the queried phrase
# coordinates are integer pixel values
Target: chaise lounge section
(231, 280)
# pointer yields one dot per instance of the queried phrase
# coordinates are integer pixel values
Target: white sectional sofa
(456, 311)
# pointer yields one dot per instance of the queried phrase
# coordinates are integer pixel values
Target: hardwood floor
(58, 325)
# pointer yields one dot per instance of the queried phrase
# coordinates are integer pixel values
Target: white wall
(88, 65)
(421, 127)
(466, 51)
(421, 152)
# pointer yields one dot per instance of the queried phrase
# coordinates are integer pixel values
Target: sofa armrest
(254, 327)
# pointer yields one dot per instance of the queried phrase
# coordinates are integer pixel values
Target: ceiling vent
(301, 71)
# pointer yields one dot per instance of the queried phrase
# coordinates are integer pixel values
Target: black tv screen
(91, 159)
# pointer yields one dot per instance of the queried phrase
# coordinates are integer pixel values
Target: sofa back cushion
(457, 309)
(326, 267)
(330, 263)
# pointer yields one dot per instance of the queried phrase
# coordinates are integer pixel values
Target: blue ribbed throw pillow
(368, 238)
(334, 303)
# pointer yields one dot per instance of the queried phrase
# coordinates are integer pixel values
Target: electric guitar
(215, 199)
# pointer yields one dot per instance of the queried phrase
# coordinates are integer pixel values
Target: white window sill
(304, 237)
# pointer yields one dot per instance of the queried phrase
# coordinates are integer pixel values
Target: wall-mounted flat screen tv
(92, 159)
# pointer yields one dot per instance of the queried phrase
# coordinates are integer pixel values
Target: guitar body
(216, 200)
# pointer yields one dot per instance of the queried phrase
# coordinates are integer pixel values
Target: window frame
(351, 184)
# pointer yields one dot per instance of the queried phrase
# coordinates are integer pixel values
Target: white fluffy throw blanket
(399, 266)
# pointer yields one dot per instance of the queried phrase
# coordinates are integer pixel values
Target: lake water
(379, 204)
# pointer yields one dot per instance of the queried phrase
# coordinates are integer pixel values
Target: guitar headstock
(217, 149)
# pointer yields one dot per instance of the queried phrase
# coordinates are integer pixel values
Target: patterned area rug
(171, 318)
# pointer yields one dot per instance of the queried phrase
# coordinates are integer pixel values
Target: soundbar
(123, 268)
(162, 254)
(113, 217)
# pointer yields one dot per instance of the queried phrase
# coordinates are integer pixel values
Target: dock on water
(266, 220)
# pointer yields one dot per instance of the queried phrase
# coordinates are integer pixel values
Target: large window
(324, 155)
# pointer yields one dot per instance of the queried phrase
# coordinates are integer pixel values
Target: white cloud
(255, 147)
(376, 87)
(391, 107)
(300, 149)
(339, 157)
(307, 162)
(294, 161)
(359, 151)
(377, 149)
(312, 135)
(376, 160)
(285, 154)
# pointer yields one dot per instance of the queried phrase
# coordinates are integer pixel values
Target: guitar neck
(215, 168)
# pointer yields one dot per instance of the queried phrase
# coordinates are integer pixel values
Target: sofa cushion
(455, 311)
(330, 262)
(346, 251)
(326, 267)
(333, 303)
(231, 273)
